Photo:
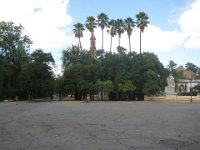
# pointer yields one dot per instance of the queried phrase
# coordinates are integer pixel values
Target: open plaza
(76, 125)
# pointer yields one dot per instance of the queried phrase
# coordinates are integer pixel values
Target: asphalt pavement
(99, 126)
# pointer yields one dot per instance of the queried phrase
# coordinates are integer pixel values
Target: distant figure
(16, 99)
(51, 95)
(88, 98)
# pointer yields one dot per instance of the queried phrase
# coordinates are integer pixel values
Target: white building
(184, 85)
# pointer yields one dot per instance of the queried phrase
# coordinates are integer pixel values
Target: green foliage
(36, 78)
(129, 24)
(142, 20)
(114, 73)
(197, 88)
(90, 23)
(151, 87)
(78, 31)
(172, 66)
(106, 85)
(127, 86)
(102, 21)
(80, 72)
(43, 58)
(112, 31)
(23, 74)
(121, 50)
(14, 55)
(192, 67)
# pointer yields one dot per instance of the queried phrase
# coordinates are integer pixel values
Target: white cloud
(42, 19)
(156, 39)
(190, 25)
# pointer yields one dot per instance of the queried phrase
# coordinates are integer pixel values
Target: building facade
(184, 85)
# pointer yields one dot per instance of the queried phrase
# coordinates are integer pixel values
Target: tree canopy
(134, 75)
(22, 73)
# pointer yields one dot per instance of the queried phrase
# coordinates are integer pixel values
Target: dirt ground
(99, 126)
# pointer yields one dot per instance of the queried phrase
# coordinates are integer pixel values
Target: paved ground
(99, 126)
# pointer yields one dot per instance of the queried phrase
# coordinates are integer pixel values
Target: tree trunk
(119, 41)
(140, 43)
(102, 39)
(129, 44)
(80, 44)
(111, 44)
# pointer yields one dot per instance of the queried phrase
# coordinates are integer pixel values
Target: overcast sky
(173, 32)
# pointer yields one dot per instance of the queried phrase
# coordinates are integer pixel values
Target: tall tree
(129, 24)
(90, 25)
(14, 47)
(103, 21)
(70, 56)
(151, 86)
(119, 29)
(80, 74)
(142, 22)
(36, 79)
(112, 31)
(191, 66)
(172, 66)
(78, 31)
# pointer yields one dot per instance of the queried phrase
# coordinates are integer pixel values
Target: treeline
(123, 75)
(114, 27)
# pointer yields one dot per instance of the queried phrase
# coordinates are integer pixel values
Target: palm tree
(90, 25)
(119, 29)
(112, 31)
(129, 24)
(78, 31)
(142, 22)
(102, 22)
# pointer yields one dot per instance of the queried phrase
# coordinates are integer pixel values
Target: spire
(93, 46)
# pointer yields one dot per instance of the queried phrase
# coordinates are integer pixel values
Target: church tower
(93, 46)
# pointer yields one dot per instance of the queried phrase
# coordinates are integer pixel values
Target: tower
(93, 46)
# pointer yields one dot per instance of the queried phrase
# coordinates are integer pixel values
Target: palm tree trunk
(119, 41)
(80, 44)
(111, 44)
(102, 40)
(129, 43)
(140, 42)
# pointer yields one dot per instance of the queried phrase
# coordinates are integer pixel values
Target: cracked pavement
(99, 126)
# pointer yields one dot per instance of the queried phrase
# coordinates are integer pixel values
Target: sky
(173, 32)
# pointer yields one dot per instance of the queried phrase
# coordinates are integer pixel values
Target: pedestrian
(88, 98)
(51, 94)
(16, 99)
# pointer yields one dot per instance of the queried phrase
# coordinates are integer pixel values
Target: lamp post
(160, 90)
(190, 90)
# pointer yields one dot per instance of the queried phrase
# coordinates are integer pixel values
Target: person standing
(16, 99)
(88, 98)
